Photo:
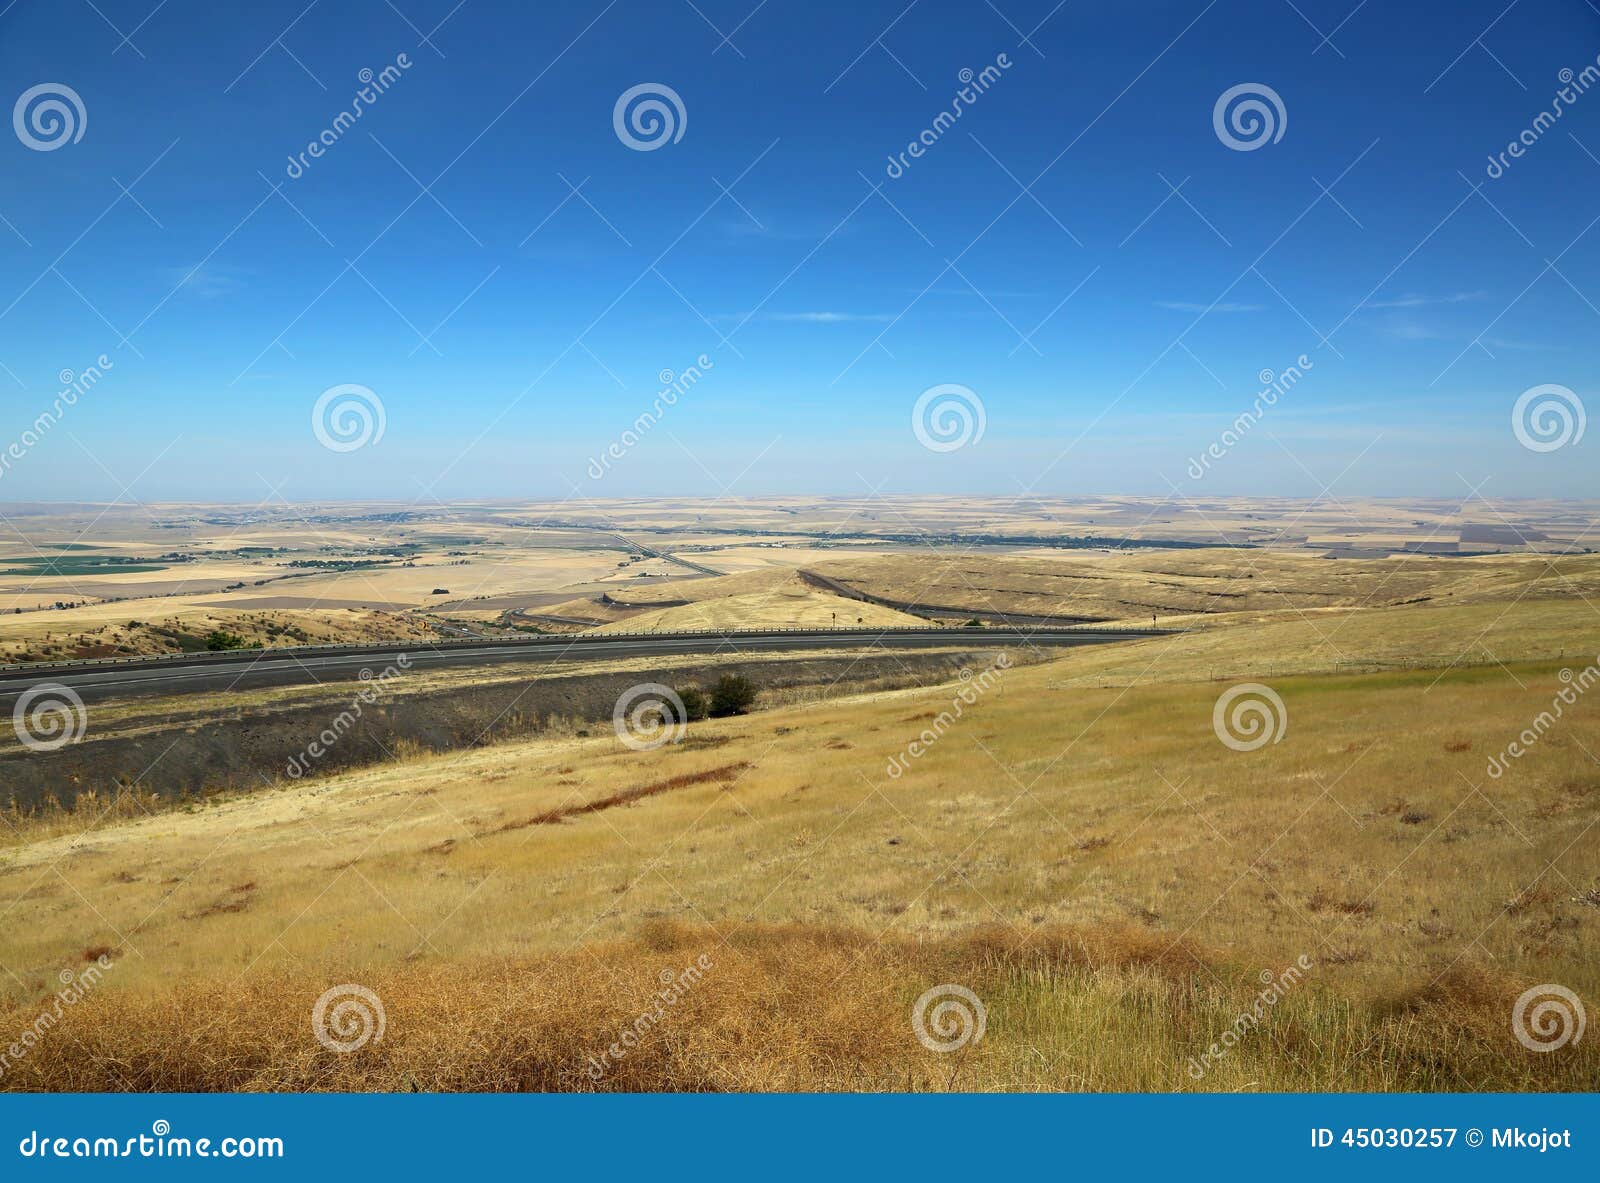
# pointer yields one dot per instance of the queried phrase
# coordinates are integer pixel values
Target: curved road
(255, 669)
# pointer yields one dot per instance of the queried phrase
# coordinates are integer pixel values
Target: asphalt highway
(256, 669)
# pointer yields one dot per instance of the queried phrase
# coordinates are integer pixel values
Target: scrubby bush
(731, 695)
(219, 640)
(696, 705)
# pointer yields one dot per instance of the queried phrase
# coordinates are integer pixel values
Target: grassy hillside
(1175, 587)
(1078, 848)
(162, 626)
(788, 603)
(1139, 584)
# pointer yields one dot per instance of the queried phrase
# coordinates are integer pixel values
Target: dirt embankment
(254, 745)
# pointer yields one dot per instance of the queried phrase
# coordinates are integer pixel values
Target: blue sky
(512, 330)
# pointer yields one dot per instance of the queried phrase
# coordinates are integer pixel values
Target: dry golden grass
(1079, 794)
(799, 1007)
(1421, 637)
(160, 626)
(1177, 585)
(1188, 589)
(789, 603)
(1141, 874)
(709, 588)
(91, 810)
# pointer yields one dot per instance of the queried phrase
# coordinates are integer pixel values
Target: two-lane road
(256, 669)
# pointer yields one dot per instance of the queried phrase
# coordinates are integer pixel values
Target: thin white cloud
(744, 228)
(1187, 306)
(1528, 346)
(808, 318)
(830, 318)
(989, 293)
(1411, 330)
(205, 282)
(1416, 301)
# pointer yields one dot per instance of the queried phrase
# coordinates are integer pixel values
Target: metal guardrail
(224, 656)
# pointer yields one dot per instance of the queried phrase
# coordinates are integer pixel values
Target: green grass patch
(64, 565)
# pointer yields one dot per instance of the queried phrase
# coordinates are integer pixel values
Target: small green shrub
(218, 640)
(696, 705)
(731, 694)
